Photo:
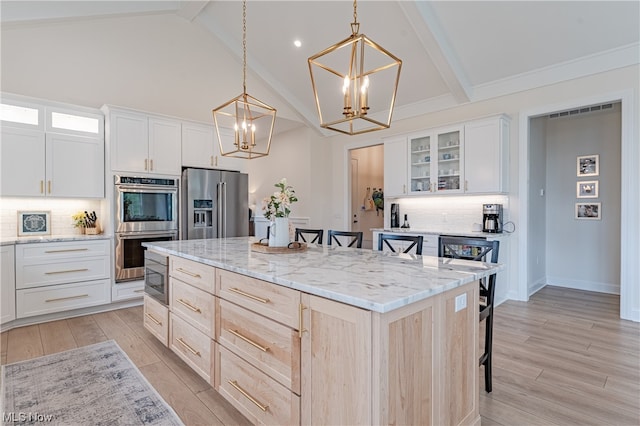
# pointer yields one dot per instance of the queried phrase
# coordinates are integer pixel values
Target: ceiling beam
(189, 9)
(423, 20)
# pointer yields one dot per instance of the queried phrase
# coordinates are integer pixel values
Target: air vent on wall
(580, 110)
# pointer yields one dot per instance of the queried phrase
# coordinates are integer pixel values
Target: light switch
(461, 302)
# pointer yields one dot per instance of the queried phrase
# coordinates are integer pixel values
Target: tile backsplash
(61, 212)
(445, 213)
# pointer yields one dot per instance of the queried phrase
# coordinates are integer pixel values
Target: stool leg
(488, 343)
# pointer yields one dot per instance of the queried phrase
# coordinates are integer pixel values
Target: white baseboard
(599, 287)
(537, 286)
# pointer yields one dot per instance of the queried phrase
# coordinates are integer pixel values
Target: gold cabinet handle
(216, 161)
(250, 296)
(246, 395)
(211, 160)
(80, 296)
(189, 348)
(66, 271)
(65, 250)
(42, 187)
(249, 341)
(138, 291)
(189, 306)
(151, 164)
(49, 187)
(191, 274)
(146, 164)
(153, 319)
(301, 329)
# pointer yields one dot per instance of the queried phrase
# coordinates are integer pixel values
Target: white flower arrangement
(278, 204)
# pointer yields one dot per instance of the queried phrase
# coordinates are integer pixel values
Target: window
(19, 114)
(75, 122)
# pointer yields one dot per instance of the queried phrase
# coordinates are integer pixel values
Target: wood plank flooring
(563, 358)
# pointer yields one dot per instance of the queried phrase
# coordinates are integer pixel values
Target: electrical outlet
(461, 302)
(444, 217)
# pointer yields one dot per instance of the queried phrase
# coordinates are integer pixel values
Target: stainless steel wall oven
(146, 210)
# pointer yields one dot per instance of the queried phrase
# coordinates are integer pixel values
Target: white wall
(583, 253)
(537, 222)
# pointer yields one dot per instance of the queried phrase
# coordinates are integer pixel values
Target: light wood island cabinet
(283, 355)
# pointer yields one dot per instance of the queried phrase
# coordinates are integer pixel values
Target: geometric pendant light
(244, 125)
(355, 83)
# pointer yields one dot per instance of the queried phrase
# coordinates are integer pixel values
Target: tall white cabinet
(7, 284)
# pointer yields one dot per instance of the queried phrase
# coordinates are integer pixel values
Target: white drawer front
(45, 300)
(62, 272)
(39, 252)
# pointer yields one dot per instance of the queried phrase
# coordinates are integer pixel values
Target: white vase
(279, 232)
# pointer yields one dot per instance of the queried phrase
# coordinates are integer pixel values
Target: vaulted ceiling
(453, 52)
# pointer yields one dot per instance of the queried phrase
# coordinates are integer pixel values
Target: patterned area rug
(92, 385)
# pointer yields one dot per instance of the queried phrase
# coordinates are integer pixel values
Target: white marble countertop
(51, 239)
(369, 279)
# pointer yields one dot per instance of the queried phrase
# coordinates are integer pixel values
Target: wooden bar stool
(315, 235)
(416, 241)
(353, 237)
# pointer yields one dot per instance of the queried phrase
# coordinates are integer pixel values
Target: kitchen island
(329, 335)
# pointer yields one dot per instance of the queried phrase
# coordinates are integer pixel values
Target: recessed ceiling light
(297, 43)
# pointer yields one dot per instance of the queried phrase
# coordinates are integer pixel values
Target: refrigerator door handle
(219, 210)
(224, 209)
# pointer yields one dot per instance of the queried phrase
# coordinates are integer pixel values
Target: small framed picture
(34, 223)
(587, 189)
(588, 211)
(588, 165)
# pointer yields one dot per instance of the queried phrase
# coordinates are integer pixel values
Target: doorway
(366, 206)
(627, 207)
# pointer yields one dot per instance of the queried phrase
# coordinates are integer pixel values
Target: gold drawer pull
(67, 271)
(191, 274)
(301, 329)
(67, 298)
(138, 291)
(189, 306)
(250, 296)
(65, 250)
(153, 319)
(249, 397)
(189, 348)
(249, 341)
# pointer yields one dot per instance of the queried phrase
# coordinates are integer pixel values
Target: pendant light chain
(355, 11)
(244, 46)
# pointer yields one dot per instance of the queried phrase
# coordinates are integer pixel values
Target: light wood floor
(563, 358)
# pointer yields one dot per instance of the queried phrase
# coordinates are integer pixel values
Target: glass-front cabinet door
(420, 163)
(449, 161)
(436, 161)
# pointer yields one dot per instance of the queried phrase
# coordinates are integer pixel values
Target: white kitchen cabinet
(486, 167)
(436, 160)
(59, 276)
(395, 167)
(35, 164)
(139, 143)
(200, 148)
(7, 284)
(22, 159)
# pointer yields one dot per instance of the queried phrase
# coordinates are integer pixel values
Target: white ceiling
(453, 52)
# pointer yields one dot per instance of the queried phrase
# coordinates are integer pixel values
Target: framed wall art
(587, 189)
(34, 223)
(588, 165)
(588, 211)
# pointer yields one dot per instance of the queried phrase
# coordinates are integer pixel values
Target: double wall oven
(146, 210)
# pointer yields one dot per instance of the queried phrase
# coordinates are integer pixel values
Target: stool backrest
(353, 238)
(416, 240)
(314, 235)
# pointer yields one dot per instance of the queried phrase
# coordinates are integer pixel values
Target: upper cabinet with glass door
(436, 161)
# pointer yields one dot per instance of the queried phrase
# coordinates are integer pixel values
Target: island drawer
(272, 347)
(156, 319)
(194, 273)
(190, 344)
(253, 393)
(192, 304)
(273, 301)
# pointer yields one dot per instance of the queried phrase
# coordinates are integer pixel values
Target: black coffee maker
(395, 215)
(492, 218)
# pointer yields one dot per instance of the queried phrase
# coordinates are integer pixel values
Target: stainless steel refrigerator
(215, 204)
